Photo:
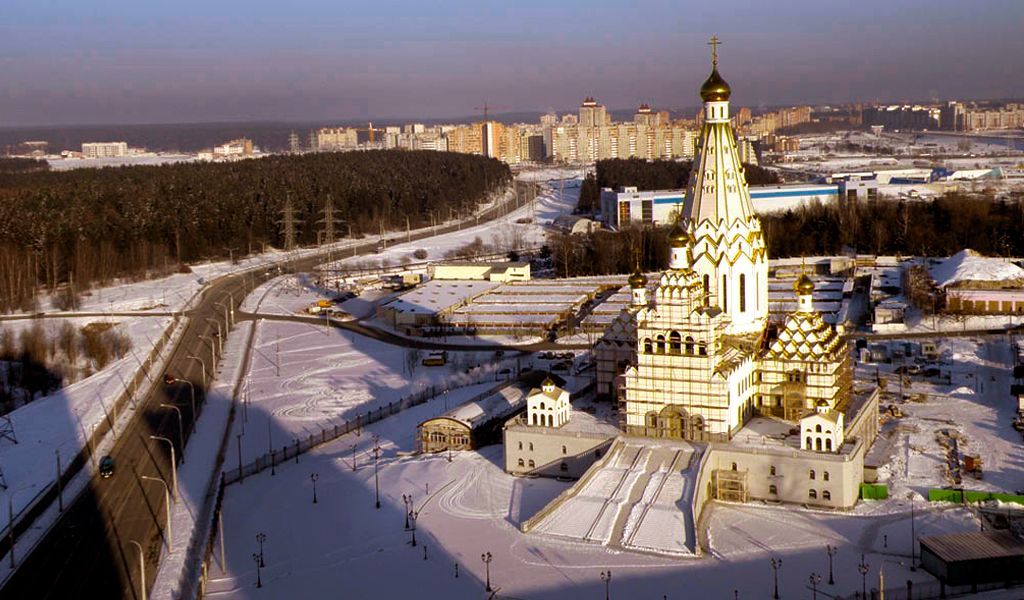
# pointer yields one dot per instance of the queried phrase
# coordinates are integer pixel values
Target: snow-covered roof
(969, 266)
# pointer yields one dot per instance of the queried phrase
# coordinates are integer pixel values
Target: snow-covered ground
(975, 406)
(62, 421)
(470, 506)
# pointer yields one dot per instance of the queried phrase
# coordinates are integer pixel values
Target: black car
(107, 467)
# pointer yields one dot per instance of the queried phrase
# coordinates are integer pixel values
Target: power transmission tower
(328, 221)
(288, 223)
(7, 429)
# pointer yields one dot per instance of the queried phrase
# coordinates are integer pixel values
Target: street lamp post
(376, 478)
(862, 568)
(256, 558)
(831, 551)
(606, 577)
(354, 467)
(181, 428)
(913, 536)
(213, 350)
(142, 569)
(220, 337)
(815, 579)
(407, 500)
(487, 558)
(261, 537)
(171, 379)
(314, 477)
(776, 563)
(201, 364)
(174, 467)
(414, 515)
(167, 505)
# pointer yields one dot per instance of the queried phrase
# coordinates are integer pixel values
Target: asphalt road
(90, 551)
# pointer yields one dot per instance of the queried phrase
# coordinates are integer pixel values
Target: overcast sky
(156, 61)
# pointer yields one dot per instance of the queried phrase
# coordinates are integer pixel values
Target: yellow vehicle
(436, 359)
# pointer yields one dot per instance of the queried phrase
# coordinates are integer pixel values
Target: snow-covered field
(975, 406)
(62, 421)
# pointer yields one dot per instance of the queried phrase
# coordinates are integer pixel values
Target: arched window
(563, 467)
(702, 348)
(771, 489)
(522, 463)
(733, 466)
(725, 293)
(534, 422)
(520, 443)
(551, 421)
(809, 442)
(824, 475)
(689, 345)
(531, 446)
(817, 444)
(743, 292)
(828, 444)
(771, 470)
(532, 464)
(564, 450)
(813, 495)
(542, 408)
(812, 475)
(817, 428)
(826, 495)
(648, 347)
(674, 343)
(707, 290)
(661, 344)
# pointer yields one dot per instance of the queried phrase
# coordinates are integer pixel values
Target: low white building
(547, 405)
(498, 272)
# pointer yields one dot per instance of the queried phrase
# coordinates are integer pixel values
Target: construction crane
(487, 107)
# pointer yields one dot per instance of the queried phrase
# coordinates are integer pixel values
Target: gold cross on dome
(714, 49)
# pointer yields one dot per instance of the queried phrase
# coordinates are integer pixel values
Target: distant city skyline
(70, 63)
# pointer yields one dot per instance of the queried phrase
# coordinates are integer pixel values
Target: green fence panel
(959, 496)
(874, 491)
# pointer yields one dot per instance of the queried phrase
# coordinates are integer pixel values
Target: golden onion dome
(803, 285)
(637, 280)
(677, 236)
(715, 89)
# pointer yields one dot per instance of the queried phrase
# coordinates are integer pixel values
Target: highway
(90, 552)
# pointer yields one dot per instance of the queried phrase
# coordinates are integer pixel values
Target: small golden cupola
(804, 288)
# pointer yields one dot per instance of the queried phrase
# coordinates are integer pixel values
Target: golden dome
(803, 285)
(637, 279)
(715, 89)
(677, 236)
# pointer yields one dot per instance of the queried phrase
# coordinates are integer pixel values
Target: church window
(812, 494)
(521, 444)
(817, 444)
(531, 446)
(826, 495)
(828, 445)
(817, 428)
(564, 450)
(550, 420)
(702, 348)
(824, 475)
(689, 345)
(648, 347)
(725, 293)
(812, 474)
(522, 463)
(535, 423)
(771, 470)
(542, 408)
(674, 345)
(661, 344)
(563, 467)
(733, 466)
(743, 292)
(532, 464)
(809, 442)
(707, 290)
(771, 489)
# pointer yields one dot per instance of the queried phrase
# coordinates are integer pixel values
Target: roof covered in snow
(967, 268)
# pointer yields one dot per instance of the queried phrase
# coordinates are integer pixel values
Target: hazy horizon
(66, 64)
